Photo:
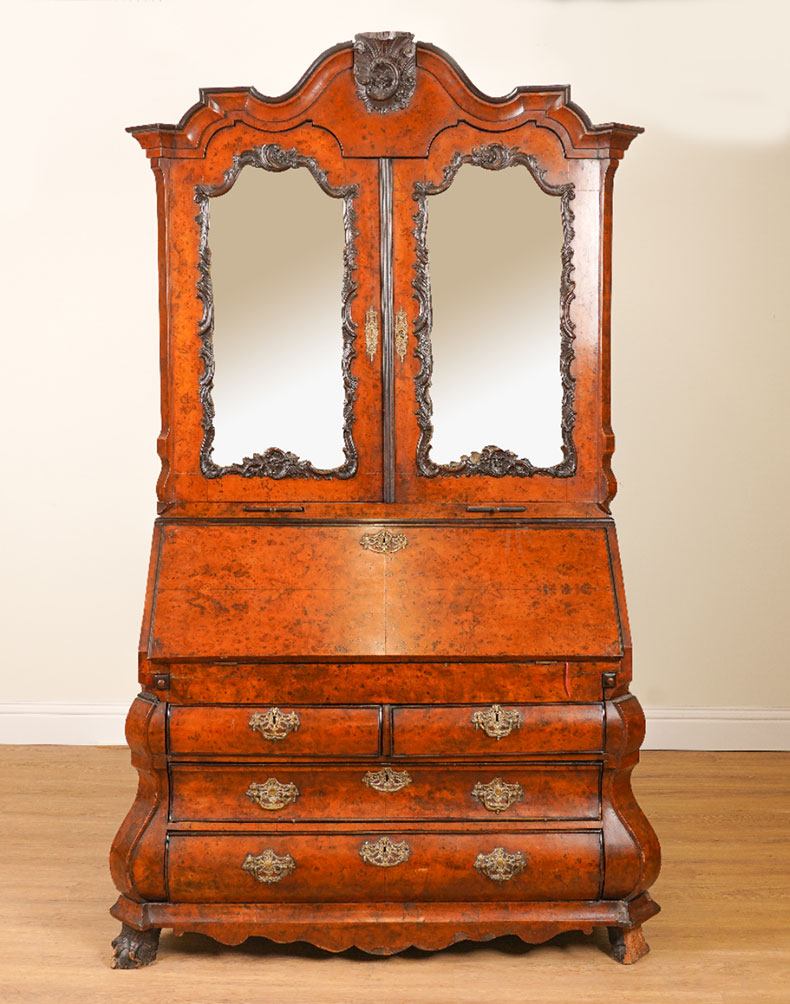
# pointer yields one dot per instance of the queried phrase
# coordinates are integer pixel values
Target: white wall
(701, 347)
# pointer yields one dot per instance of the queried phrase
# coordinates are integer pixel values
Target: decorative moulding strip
(33, 723)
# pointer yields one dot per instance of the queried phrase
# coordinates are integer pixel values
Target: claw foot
(133, 949)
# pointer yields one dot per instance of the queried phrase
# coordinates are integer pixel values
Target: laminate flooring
(723, 936)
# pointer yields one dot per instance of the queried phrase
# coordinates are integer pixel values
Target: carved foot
(628, 944)
(133, 949)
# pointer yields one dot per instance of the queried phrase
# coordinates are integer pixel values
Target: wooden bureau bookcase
(385, 702)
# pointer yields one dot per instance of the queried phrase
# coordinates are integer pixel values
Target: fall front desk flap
(236, 591)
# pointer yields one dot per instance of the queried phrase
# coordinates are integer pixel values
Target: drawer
(267, 731)
(497, 730)
(491, 792)
(301, 867)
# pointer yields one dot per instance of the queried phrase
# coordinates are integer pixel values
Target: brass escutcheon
(371, 333)
(401, 334)
(500, 865)
(496, 721)
(269, 867)
(384, 542)
(271, 794)
(387, 779)
(274, 724)
(385, 853)
(497, 795)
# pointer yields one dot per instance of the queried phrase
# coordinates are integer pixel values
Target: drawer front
(485, 792)
(498, 730)
(268, 731)
(395, 867)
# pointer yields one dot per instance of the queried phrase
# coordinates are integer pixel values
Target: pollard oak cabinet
(385, 665)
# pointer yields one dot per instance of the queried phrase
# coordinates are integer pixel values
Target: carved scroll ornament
(385, 69)
(491, 461)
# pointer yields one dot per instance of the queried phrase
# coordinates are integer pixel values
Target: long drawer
(397, 867)
(270, 731)
(497, 730)
(257, 792)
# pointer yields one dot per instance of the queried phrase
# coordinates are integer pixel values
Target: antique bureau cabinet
(384, 681)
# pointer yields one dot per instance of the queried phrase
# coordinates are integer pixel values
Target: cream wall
(701, 347)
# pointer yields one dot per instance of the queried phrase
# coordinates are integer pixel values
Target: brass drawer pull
(272, 795)
(274, 724)
(385, 853)
(384, 542)
(500, 865)
(269, 867)
(497, 795)
(387, 779)
(496, 721)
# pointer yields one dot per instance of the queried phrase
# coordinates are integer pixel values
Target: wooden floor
(723, 936)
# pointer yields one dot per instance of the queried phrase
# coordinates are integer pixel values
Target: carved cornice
(385, 69)
(491, 461)
(274, 462)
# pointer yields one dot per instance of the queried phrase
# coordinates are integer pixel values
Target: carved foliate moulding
(385, 69)
(385, 853)
(387, 779)
(496, 721)
(272, 795)
(268, 867)
(497, 795)
(500, 865)
(384, 542)
(274, 724)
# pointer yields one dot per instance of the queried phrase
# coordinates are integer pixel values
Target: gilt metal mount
(274, 724)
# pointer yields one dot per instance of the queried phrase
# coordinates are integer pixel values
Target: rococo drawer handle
(500, 865)
(496, 721)
(387, 779)
(497, 795)
(274, 724)
(272, 795)
(384, 542)
(385, 853)
(269, 867)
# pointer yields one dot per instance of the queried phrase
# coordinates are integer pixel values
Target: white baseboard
(33, 723)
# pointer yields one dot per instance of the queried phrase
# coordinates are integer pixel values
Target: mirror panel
(277, 243)
(499, 255)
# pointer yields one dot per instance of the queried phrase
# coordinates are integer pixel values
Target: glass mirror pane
(276, 245)
(494, 244)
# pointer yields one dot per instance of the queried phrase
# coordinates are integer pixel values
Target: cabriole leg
(133, 949)
(628, 944)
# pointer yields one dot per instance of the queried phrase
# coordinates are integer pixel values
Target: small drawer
(321, 867)
(269, 731)
(497, 730)
(378, 792)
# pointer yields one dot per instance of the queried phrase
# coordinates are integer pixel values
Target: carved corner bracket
(276, 463)
(491, 461)
(385, 69)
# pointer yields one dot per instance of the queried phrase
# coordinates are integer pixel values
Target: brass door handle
(500, 865)
(269, 867)
(272, 795)
(496, 721)
(274, 724)
(385, 853)
(497, 795)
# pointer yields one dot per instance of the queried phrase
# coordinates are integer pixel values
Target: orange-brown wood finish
(392, 707)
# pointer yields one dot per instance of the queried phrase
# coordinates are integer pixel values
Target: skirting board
(33, 723)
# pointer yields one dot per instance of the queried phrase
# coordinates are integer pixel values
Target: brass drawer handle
(371, 333)
(384, 542)
(274, 724)
(269, 867)
(496, 721)
(497, 795)
(387, 779)
(272, 795)
(500, 865)
(385, 853)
